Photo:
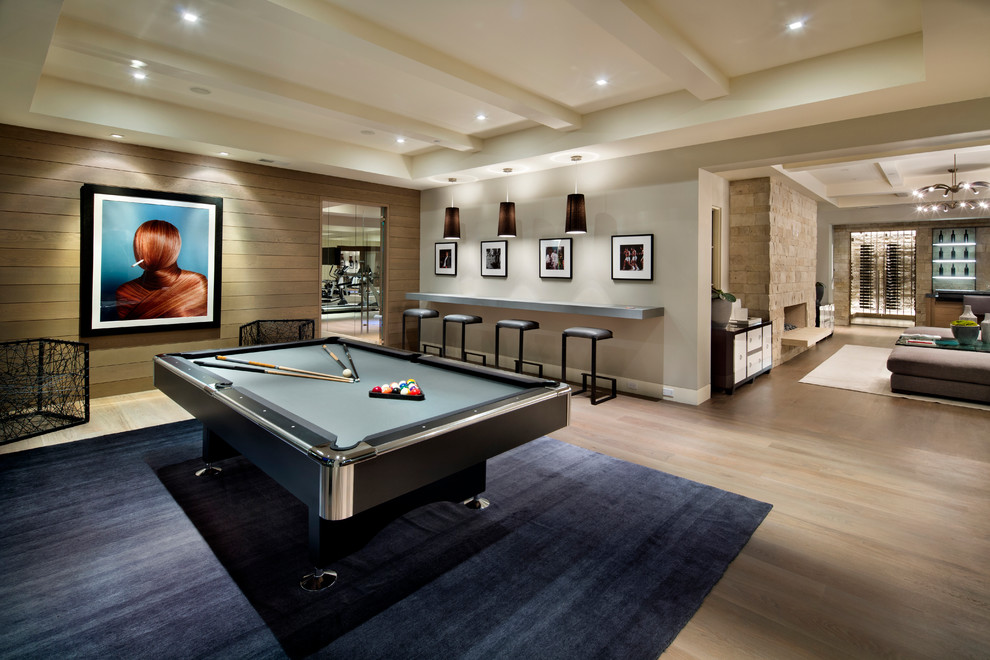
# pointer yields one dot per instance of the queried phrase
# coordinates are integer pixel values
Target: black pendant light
(576, 220)
(507, 214)
(451, 219)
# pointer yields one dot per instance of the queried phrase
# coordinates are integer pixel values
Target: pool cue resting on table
(348, 372)
(274, 372)
(347, 354)
(315, 374)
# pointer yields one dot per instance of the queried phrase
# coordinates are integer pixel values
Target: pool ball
(387, 389)
(376, 389)
(347, 373)
(404, 391)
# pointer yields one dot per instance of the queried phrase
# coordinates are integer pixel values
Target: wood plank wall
(271, 243)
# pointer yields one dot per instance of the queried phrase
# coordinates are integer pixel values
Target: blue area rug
(111, 548)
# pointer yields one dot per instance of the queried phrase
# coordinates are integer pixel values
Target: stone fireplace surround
(773, 233)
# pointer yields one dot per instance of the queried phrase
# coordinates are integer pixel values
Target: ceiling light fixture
(451, 218)
(576, 219)
(601, 82)
(950, 191)
(481, 116)
(400, 140)
(139, 75)
(507, 213)
(796, 25)
(189, 17)
(137, 64)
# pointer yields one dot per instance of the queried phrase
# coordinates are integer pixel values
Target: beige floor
(879, 541)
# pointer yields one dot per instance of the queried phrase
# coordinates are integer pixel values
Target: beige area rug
(864, 369)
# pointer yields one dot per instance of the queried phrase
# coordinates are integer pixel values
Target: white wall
(623, 197)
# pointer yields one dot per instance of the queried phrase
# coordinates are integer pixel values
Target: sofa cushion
(941, 363)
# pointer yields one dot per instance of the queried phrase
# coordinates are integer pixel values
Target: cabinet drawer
(767, 346)
(754, 363)
(754, 339)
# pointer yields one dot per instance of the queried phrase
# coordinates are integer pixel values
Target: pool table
(356, 461)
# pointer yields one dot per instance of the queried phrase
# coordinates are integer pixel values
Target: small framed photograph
(556, 258)
(150, 261)
(632, 257)
(446, 259)
(494, 258)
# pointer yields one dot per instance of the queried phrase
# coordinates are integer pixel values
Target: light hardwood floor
(878, 544)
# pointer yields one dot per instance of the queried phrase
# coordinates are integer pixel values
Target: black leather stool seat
(589, 333)
(419, 314)
(594, 334)
(465, 320)
(522, 326)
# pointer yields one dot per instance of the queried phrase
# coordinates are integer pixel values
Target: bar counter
(635, 312)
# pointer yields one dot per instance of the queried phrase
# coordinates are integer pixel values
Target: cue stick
(347, 353)
(337, 359)
(275, 366)
(274, 372)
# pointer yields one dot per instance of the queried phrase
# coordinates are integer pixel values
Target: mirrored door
(352, 270)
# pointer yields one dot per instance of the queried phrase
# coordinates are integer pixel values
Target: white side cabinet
(740, 354)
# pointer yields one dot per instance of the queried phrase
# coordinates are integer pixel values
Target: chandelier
(950, 191)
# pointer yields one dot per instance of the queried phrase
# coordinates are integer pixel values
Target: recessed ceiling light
(139, 75)
(189, 17)
(400, 140)
(481, 116)
(137, 64)
(796, 25)
(601, 82)
(224, 153)
(116, 135)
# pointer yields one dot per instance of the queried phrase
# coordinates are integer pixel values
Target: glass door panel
(883, 275)
(352, 270)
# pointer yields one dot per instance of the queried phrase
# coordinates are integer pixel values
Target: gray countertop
(590, 309)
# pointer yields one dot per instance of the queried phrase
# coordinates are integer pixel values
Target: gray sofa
(940, 372)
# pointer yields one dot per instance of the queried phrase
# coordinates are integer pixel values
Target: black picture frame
(119, 293)
(556, 258)
(445, 259)
(632, 257)
(494, 258)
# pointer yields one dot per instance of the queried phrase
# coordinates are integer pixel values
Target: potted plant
(721, 307)
(965, 331)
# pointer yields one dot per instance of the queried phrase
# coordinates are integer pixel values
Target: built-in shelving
(953, 259)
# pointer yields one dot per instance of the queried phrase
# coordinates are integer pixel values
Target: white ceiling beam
(79, 36)
(435, 66)
(890, 172)
(652, 37)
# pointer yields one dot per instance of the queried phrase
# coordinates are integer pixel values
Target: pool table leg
(331, 540)
(214, 449)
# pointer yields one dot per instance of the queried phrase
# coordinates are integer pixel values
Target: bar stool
(465, 320)
(522, 326)
(594, 334)
(419, 314)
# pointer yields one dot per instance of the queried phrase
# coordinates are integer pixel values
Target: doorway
(352, 270)
(882, 280)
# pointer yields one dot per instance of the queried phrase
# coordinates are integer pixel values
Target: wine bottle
(966, 253)
(940, 237)
(966, 270)
(940, 253)
(953, 272)
(966, 237)
(952, 239)
(940, 271)
(953, 255)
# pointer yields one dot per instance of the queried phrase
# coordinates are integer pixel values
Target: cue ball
(347, 373)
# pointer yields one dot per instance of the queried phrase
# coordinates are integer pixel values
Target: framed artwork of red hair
(150, 261)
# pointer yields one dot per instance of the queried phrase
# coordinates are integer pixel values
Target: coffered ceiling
(415, 92)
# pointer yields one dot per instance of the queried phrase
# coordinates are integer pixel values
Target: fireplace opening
(795, 316)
